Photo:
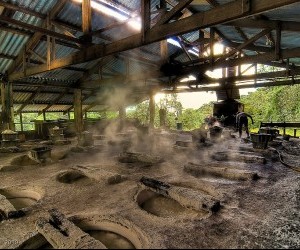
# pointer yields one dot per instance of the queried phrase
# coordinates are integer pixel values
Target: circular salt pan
(21, 198)
(165, 207)
(114, 232)
(111, 240)
(70, 177)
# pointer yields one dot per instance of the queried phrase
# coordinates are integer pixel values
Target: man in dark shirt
(242, 120)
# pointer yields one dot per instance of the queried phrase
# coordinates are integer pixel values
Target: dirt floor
(100, 190)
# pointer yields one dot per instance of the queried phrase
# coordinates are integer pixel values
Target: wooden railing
(284, 125)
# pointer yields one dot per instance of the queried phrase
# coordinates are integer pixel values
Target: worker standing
(242, 121)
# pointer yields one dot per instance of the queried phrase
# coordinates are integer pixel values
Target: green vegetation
(190, 118)
(274, 104)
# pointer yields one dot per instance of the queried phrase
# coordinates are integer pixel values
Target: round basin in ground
(111, 240)
(114, 233)
(21, 198)
(165, 207)
(72, 177)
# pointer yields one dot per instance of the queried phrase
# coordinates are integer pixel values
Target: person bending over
(242, 121)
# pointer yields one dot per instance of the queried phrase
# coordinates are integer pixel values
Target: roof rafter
(214, 16)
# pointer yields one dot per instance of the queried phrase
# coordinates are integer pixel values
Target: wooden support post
(53, 49)
(11, 107)
(86, 16)
(44, 115)
(87, 20)
(201, 46)
(21, 122)
(3, 107)
(122, 117)
(164, 51)
(212, 43)
(163, 118)
(256, 71)
(146, 18)
(122, 113)
(78, 111)
(24, 59)
(240, 66)
(152, 109)
(278, 42)
(49, 47)
(224, 70)
(7, 106)
(69, 115)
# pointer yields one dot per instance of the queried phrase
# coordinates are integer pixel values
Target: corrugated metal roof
(21, 97)
(12, 44)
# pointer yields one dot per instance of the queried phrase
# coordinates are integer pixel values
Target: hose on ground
(295, 168)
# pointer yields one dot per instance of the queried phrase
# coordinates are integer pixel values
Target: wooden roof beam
(43, 31)
(34, 40)
(173, 12)
(22, 9)
(264, 24)
(233, 87)
(245, 44)
(209, 18)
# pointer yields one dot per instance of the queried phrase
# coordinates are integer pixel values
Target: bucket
(41, 153)
(9, 136)
(267, 130)
(260, 141)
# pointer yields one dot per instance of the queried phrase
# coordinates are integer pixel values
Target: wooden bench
(284, 125)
